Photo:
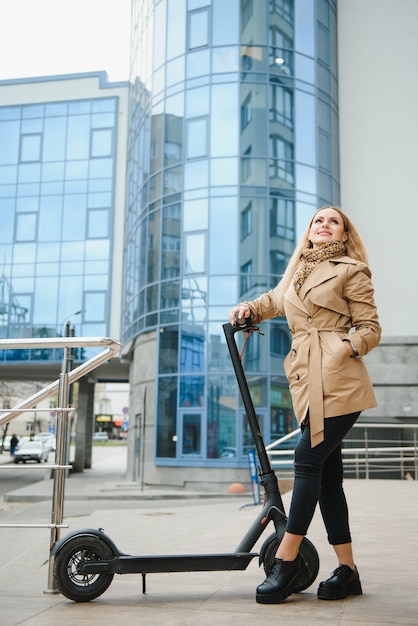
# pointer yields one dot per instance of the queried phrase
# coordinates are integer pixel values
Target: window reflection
(198, 29)
(167, 417)
(192, 434)
(192, 391)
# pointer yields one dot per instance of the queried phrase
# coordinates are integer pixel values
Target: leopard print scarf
(311, 257)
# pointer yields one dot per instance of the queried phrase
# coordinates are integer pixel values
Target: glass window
(24, 253)
(225, 59)
(196, 138)
(79, 106)
(176, 28)
(102, 120)
(99, 200)
(101, 142)
(246, 12)
(194, 253)
(26, 226)
(197, 102)
(27, 204)
(246, 112)
(78, 137)
(170, 294)
(198, 63)
(103, 104)
(30, 147)
(225, 20)
(192, 348)
(98, 223)
(284, 8)
(97, 249)
(281, 166)
(246, 221)
(168, 349)
(194, 292)
(8, 174)
(282, 218)
(53, 171)
(246, 165)
(221, 408)
(281, 105)
(223, 228)
(74, 217)
(77, 170)
(55, 109)
(279, 339)
(245, 278)
(175, 71)
(94, 306)
(9, 142)
(195, 214)
(7, 224)
(281, 51)
(223, 290)
(198, 29)
(191, 443)
(29, 173)
(192, 391)
(54, 139)
(196, 174)
(32, 110)
(167, 417)
(101, 168)
(224, 172)
(224, 103)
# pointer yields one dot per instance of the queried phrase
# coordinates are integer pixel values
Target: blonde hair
(355, 249)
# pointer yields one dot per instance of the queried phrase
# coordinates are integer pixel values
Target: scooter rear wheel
(307, 550)
(67, 576)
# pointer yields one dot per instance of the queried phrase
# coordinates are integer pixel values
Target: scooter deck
(169, 563)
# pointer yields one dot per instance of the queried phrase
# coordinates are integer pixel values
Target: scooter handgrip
(244, 322)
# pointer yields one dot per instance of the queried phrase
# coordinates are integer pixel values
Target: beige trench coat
(324, 377)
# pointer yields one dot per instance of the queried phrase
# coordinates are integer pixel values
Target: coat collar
(323, 272)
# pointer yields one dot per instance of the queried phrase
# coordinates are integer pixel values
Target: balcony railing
(372, 454)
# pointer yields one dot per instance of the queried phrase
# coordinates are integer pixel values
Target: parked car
(48, 439)
(31, 451)
(100, 436)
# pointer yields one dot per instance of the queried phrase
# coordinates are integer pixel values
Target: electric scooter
(85, 561)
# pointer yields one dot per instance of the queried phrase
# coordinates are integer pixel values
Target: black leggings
(319, 478)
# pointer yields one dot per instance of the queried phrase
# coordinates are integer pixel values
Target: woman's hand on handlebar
(238, 313)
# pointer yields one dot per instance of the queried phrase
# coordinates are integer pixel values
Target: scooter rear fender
(86, 532)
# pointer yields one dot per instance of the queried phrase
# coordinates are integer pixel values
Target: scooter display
(86, 560)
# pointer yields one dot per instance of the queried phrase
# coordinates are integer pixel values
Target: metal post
(59, 474)
(366, 446)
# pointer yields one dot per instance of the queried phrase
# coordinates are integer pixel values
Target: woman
(327, 296)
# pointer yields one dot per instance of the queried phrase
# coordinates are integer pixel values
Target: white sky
(48, 37)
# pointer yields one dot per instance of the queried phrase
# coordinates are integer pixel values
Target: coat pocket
(335, 352)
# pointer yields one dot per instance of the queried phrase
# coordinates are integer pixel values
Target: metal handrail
(62, 384)
(361, 454)
(67, 343)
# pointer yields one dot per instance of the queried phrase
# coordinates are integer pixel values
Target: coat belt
(315, 391)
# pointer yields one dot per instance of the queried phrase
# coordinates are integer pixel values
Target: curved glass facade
(232, 147)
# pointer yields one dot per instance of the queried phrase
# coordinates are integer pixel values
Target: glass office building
(57, 192)
(232, 146)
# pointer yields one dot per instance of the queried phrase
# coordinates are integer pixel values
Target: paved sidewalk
(384, 518)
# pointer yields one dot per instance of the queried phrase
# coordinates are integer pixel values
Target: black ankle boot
(282, 580)
(343, 582)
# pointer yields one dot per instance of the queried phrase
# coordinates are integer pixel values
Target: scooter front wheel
(307, 550)
(70, 581)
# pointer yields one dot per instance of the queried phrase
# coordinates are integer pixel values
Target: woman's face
(327, 225)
